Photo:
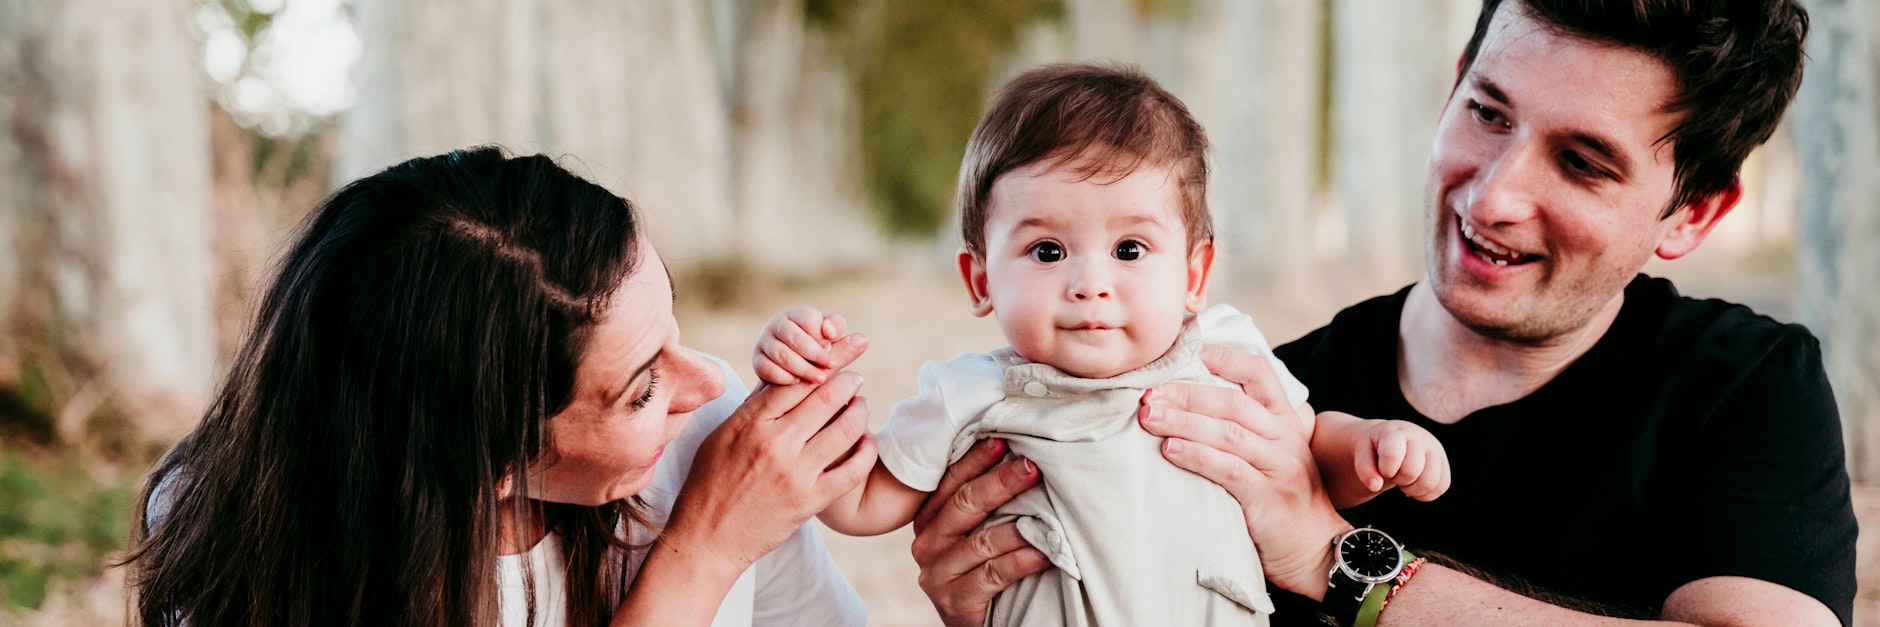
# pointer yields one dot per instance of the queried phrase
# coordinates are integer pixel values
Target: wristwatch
(1361, 559)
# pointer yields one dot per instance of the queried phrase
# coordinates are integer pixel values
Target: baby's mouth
(1489, 251)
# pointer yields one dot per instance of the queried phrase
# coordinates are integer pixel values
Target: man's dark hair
(1737, 63)
(1098, 120)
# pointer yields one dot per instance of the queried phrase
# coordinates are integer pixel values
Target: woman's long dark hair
(422, 330)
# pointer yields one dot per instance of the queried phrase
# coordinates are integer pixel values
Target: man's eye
(1047, 252)
(1484, 114)
(1582, 167)
(1130, 250)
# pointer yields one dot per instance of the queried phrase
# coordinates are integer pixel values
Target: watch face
(1370, 555)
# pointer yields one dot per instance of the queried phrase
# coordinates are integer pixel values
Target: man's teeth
(1489, 246)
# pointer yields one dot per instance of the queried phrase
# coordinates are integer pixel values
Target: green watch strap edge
(1374, 598)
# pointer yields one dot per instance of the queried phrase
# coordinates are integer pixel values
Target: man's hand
(961, 570)
(1252, 443)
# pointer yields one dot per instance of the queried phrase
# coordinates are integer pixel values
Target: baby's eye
(1130, 250)
(1047, 252)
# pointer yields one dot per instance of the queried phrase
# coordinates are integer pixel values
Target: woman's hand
(780, 458)
(1251, 442)
(961, 570)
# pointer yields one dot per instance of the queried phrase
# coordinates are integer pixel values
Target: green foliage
(922, 71)
(57, 524)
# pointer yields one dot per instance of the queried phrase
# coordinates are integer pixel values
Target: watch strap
(1373, 603)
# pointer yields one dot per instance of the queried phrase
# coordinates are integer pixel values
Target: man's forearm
(1439, 595)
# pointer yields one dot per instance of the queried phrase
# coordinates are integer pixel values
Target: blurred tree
(922, 72)
(104, 202)
(1838, 139)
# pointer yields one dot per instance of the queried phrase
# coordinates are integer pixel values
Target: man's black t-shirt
(1695, 439)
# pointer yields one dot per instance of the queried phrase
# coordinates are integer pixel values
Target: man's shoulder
(1354, 324)
(1683, 324)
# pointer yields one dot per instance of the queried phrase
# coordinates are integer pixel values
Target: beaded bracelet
(1403, 577)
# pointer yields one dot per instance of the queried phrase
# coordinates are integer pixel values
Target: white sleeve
(798, 584)
(1225, 325)
(919, 439)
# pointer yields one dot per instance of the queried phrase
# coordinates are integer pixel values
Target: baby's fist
(1401, 454)
(795, 346)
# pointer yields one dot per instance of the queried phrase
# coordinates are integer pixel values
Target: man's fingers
(1003, 571)
(1244, 439)
(974, 551)
(952, 514)
(1227, 404)
(1252, 372)
(1233, 473)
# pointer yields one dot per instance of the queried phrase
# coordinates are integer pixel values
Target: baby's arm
(880, 505)
(1360, 458)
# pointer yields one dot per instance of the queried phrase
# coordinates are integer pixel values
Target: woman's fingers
(848, 473)
(838, 437)
(1251, 372)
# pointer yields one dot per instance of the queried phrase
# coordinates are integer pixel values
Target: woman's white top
(795, 584)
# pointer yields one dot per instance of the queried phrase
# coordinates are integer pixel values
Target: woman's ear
(973, 272)
(505, 488)
(1690, 224)
(1200, 265)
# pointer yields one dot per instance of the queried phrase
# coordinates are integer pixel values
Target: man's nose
(1510, 185)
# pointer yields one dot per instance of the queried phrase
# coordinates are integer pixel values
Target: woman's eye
(1047, 252)
(1130, 250)
(652, 386)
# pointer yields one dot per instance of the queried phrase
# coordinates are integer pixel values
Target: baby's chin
(1092, 368)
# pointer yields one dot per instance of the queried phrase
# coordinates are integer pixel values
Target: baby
(1087, 235)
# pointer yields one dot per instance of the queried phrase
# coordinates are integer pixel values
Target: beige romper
(1134, 539)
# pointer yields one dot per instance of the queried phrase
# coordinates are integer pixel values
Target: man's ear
(1690, 224)
(973, 272)
(1200, 265)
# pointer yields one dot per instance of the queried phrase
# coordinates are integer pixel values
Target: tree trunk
(1839, 143)
(105, 286)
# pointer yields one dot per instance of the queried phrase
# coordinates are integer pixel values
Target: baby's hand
(1398, 453)
(794, 345)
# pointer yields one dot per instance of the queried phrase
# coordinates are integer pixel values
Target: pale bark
(1838, 140)
(1393, 64)
(106, 289)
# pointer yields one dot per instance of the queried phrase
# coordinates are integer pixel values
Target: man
(1617, 450)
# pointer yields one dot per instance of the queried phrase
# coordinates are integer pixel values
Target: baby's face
(1093, 276)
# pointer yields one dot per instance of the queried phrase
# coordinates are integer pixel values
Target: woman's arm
(785, 454)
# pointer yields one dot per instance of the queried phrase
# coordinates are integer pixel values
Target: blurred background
(155, 155)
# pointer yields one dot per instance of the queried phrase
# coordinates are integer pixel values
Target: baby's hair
(1100, 120)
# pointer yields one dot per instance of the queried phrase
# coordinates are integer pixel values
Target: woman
(453, 410)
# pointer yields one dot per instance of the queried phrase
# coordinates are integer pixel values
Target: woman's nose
(699, 381)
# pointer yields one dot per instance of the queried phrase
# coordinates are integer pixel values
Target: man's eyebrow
(1493, 91)
(614, 394)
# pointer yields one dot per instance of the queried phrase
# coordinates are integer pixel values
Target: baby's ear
(1200, 264)
(973, 272)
